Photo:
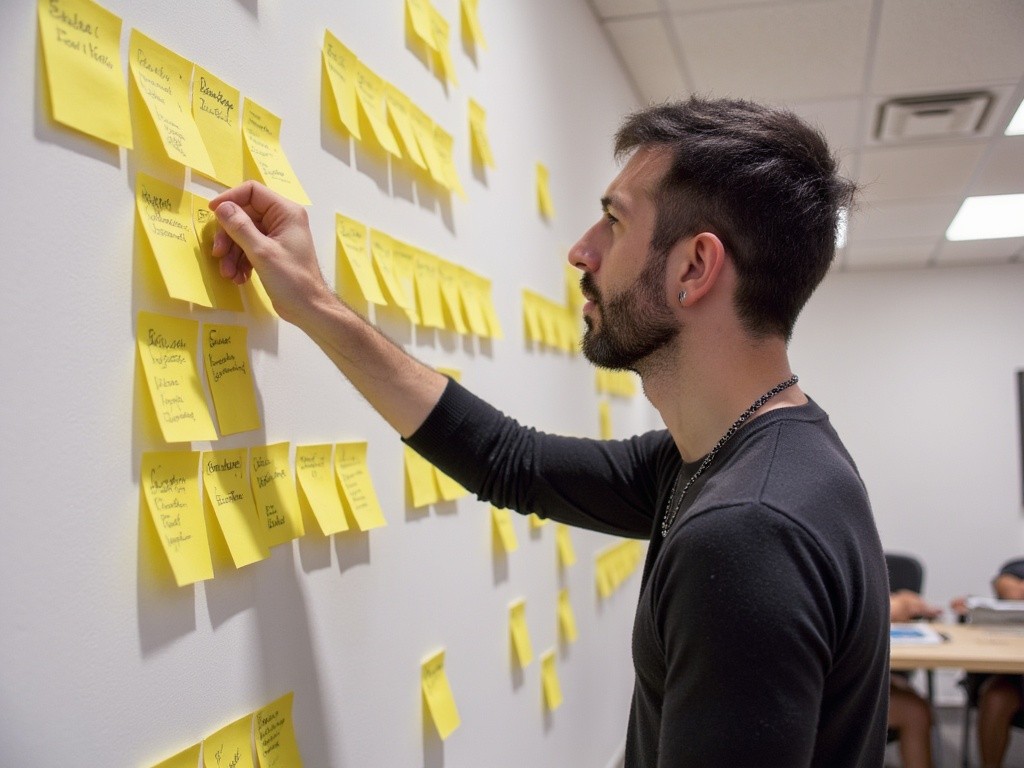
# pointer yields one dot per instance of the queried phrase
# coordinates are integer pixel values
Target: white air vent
(945, 116)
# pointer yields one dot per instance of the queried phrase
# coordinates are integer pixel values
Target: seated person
(910, 715)
(1001, 697)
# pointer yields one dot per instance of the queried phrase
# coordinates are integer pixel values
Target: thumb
(237, 224)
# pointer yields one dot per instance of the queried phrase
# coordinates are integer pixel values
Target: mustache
(589, 290)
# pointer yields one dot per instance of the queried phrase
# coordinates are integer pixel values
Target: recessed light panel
(988, 217)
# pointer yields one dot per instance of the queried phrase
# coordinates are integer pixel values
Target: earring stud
(682, 296)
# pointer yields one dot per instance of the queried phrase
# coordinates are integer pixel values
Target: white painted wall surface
(105, 662)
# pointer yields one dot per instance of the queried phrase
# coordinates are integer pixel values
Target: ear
(697, 266)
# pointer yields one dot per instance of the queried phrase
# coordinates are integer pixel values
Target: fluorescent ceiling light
(1016, 126)
(988, 217)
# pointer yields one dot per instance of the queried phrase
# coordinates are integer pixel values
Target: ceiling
(836, 62)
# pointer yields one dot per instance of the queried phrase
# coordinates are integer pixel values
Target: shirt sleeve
(743, 613)
(605, 485)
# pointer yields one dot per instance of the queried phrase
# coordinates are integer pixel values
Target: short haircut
(759, 178)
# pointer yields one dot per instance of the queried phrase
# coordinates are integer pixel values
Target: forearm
(399, 387)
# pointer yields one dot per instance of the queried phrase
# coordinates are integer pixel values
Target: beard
(633, 325)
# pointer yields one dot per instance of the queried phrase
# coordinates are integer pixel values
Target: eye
(609, 218)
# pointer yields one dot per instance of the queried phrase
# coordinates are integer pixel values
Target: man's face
(626, 314)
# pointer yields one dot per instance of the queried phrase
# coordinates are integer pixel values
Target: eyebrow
(609, 201)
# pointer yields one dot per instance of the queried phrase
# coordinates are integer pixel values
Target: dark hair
(760, 179)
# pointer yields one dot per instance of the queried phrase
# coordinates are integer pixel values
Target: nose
(585, 254)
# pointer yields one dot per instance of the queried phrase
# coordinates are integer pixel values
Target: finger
(252, 196)
(240, 227)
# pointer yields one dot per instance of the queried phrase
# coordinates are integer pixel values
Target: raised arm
(262, 230)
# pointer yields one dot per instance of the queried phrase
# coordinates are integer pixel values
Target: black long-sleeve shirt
(761, 633)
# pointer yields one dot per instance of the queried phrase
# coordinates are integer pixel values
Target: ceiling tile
(1003, 172)
(904, 219)
(898, 173)
(837, 119)
(789, 52)
(610, 8)
(929, 46)
(644, 46)
(704, 5)
(903, 253)
(979, 251)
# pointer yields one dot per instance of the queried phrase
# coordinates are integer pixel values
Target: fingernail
(225, 209)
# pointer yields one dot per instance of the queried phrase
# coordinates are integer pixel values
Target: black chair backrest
(905, 572)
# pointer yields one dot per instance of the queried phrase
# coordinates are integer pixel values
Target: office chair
(906, 572)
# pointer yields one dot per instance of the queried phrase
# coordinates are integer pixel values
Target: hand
(261, 229)
(905, 605)
(959, 605)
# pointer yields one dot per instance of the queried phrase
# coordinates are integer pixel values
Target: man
(761, 636)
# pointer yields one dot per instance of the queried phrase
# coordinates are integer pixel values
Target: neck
(700, 392)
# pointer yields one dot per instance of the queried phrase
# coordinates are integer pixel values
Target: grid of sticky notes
(177, 108)
(615, 564)
(264, 738)
(236, 504)
(431, 292)
(550, 323)
(373, 111)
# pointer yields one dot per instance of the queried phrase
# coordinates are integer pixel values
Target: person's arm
(262, 230)
(1008, 587)
(905, 605)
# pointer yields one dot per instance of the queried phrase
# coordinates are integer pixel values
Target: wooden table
(973, 647)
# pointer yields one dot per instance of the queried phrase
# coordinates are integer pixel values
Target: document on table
(914, 634)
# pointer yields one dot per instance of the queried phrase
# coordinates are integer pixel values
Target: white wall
(105, 662)
(918, 372)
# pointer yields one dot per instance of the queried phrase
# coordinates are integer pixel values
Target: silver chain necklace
(674, 502)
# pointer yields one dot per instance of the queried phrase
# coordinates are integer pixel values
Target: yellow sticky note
(222, 292)
(444, 144)
(167, 349)
(273, 488)
(573, 292)
(261, 131)
(341, 66)
(381, 249)
(490, 313)
(81, 44)
(604, 416)
(549, 677)
(519, 631)
(229, 374)
(403, 258)
(164, 79)
(439, 31)
(354, 246)
(370, 95)
(544, 203)
(318, 489)
(452, 373)
(501, 521)
(275, 735)
(417, 16)
(450, 489)
(228, 493)
(230, 747)
(471, 28)
(258, 297)
(170, 491)
(536, 521)
(438, 695)
(216, 108)
(566, 617)
(531, 321)
(165, 213)
(548, 325)
(451, 301)
(356, 486)
(423, 127)
(480, 145)
(469, 295)
(563, 541)
(419, 473)
(398, 110)
(604, 586)
(428, 290)
(187, 758)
